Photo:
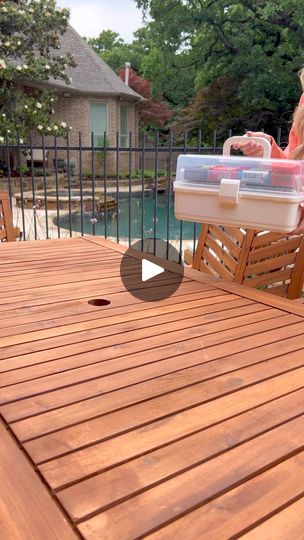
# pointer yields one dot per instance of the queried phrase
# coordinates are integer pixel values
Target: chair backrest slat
(7, 232)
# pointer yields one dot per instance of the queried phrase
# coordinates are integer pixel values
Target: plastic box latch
(229, 191)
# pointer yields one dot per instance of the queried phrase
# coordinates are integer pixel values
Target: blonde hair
(298, 123)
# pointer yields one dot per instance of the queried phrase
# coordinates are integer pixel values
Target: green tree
(256, 45)
(30, 33)
(106, 41)
(149, 60)
(171, 74)
(114, 51)
(170, 63)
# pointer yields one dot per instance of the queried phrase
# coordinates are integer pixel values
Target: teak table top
(181, 418)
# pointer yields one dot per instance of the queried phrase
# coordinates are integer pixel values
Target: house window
(123, 125)
(99, 124)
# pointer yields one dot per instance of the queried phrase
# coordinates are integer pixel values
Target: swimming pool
(107, 224)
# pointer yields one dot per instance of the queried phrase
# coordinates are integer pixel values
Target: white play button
(150, 270)
(148, 281)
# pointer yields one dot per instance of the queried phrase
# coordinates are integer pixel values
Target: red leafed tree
(153, 113)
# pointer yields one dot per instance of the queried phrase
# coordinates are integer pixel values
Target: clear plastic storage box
(259, 193)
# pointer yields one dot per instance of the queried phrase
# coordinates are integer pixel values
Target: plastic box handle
(242, 138)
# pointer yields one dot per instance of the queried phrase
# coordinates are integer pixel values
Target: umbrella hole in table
(99, 302)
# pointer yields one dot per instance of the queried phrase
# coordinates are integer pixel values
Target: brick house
(97, 100)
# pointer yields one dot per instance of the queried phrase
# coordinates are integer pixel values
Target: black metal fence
(61, 189)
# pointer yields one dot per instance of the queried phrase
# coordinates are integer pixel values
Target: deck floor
(181, 418)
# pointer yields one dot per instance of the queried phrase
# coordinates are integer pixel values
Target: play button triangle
(149, 270)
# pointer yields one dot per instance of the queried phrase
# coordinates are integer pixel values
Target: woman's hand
(252, 148)
(300, 227)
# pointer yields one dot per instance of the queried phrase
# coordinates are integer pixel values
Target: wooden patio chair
(7, 230)
(269, 261)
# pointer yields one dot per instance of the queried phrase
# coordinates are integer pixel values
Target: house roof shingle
(92, 75)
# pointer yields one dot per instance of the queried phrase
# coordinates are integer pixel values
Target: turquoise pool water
(135, 212)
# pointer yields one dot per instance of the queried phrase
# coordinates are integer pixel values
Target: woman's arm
(293, 142)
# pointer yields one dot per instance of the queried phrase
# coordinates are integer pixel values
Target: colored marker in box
(284, 174)
(217, 173)
(253, 177)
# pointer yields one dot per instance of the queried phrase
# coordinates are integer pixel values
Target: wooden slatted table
(181, 418)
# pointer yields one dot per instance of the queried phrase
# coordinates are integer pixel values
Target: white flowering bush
(30, 33)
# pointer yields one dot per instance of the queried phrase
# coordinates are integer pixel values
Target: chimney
(127, 66)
